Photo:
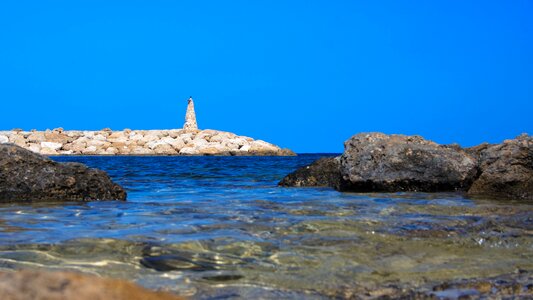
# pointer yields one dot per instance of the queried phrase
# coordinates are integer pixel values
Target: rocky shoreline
(140, 142)
(376, 162)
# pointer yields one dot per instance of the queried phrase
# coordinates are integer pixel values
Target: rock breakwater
(139, 142)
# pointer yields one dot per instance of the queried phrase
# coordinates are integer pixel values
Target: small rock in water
(222, 278)
(40, 285)
(165, 263)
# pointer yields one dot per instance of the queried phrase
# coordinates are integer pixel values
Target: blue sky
(302, 74)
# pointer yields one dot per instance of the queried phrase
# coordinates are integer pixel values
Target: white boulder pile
(139, 142)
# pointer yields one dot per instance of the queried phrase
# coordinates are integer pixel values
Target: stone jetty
(139, 142)
(187, 141)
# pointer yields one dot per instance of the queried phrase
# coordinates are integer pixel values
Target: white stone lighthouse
(190, 116)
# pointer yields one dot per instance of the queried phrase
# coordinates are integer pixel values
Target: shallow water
(220, 228)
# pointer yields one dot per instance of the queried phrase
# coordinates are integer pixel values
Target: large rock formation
(26, 177)
(140, 142)
(375, 162)
(41, 285)
(190, 117)
(390, 163)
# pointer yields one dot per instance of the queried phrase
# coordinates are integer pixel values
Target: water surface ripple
(219, 227)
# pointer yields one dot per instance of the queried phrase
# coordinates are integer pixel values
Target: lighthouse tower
(190, 117)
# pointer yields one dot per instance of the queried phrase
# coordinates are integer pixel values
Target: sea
(221, 228)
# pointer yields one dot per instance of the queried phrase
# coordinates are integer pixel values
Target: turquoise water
(220, 228)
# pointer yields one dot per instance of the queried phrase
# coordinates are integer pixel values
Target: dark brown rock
(27, 177)
(391, 163)
(323, 172)
(40, 285)
(506, 169)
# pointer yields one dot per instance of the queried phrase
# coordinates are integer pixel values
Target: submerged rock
(518, 285)
(165, 263)
(506, 169)
(376, 162)
(26, 177)
(40, 285)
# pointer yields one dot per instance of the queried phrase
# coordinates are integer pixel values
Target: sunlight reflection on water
(220, 227)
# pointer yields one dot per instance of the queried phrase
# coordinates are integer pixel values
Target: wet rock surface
(41, 285)
(376, 162)
(28, 177)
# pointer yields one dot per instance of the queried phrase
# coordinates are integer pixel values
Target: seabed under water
(220, 228)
